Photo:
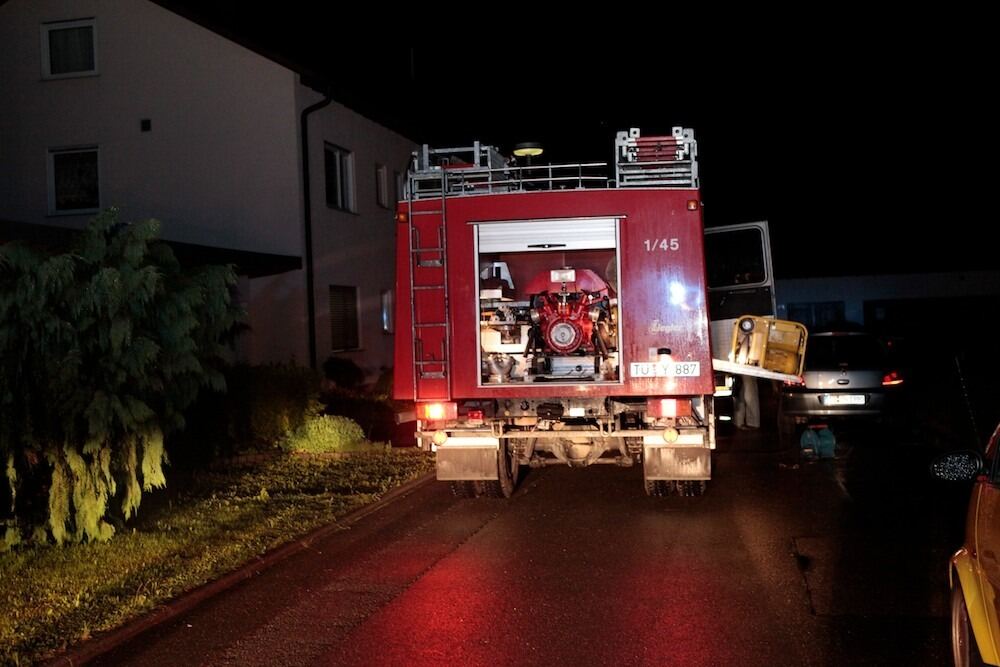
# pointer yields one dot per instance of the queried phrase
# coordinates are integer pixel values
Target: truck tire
(508, 472)
(691, 488)
(463, 489)
(688, 488)
(656, 488)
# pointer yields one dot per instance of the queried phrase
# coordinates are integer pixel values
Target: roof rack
(670, 161)
(663, 162)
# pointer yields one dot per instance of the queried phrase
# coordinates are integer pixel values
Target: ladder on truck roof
(429, 308)
(670, 161)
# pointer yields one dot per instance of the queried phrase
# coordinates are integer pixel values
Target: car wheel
(964, 649)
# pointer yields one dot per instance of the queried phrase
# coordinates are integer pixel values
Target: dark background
(859, 139)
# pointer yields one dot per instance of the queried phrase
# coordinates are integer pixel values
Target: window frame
(388, 311)
(343, 161)
(47, 28)
(357, 318)
(382, 185)
(51, 178)
(400, 186)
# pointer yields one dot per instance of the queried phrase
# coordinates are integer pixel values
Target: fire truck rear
(553, 315)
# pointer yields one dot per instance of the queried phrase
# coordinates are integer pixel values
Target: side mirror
(961, 466)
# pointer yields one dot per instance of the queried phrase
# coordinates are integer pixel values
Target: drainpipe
(307, 220)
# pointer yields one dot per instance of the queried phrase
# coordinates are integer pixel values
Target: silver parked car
(846, 377)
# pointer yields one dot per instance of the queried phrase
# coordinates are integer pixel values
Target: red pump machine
(553, 315)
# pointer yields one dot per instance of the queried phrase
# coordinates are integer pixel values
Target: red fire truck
(553, 315)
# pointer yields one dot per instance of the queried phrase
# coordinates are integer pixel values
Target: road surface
(782, 562)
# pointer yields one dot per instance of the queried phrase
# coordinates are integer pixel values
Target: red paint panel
(662, 287)
(402, 374)
(663, 292)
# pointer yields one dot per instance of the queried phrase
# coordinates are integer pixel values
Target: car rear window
(831, 352)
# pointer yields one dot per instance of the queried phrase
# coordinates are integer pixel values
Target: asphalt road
(782, 562)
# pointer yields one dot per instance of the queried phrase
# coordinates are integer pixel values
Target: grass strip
(53, 597)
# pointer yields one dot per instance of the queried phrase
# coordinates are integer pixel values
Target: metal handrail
(458, 181)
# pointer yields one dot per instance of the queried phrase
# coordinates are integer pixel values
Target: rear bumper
(817, 404)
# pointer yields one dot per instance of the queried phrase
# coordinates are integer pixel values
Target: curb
(98, 646)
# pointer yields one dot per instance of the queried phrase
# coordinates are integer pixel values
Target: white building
(899, 304)
(124, 103)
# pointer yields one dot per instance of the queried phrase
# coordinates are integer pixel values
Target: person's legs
(739, 405)
(751, 402)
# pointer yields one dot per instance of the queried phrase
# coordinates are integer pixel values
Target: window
(339, 164)
(73, 180)
(68, 48)
(387, 311)
(382, 186)
(400, 186)
(343, 317)
(817, 315)
(839, 352)
(735, 258)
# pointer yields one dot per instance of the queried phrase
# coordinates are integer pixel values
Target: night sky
(863, 154)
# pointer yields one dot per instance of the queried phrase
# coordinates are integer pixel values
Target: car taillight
(891, 379)
(437, 411)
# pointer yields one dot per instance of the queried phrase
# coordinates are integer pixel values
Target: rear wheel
(508, 471)
(691, 487)
(656, 487)
(463, 489)
(963, 643)
(676, 487)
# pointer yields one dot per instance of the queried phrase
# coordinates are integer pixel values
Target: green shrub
(375, 416)
(269, 402)
(264, 405)
(102, 349)
(325, 433)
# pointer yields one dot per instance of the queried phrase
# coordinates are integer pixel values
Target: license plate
(676, 369)
(842, 399)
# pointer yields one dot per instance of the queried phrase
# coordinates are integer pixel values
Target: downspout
(307, 220)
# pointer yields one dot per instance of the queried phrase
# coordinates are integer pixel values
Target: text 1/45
(666, 245)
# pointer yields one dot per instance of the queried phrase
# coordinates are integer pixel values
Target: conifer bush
(101, 350)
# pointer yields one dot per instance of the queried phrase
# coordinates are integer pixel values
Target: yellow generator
(770, 344)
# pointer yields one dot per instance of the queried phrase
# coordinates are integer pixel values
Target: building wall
(218, 167)
(855, 291)
(355, 248)
(220, 163)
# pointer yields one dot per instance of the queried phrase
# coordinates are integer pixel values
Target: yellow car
(974, 570)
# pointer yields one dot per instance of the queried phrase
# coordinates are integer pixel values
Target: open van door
(740, 282)
(740, 278)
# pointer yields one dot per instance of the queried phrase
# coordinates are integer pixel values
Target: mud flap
(468, 462)
(672, 463)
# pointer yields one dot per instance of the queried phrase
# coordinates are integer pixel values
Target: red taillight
(436, 412)
(474, 417)
(401, 216)
(668, 407)
(891, 379)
